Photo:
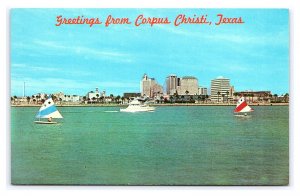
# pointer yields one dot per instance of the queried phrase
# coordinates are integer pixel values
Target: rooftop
(189, 77)
(221, 78)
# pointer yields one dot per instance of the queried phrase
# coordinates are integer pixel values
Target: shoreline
(164, 104)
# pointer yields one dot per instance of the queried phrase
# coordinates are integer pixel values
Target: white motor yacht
(137, 106)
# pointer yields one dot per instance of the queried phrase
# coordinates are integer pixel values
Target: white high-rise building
(220, 89)
(145, 86)
(171, 84)
(149, 87)
(188, 86)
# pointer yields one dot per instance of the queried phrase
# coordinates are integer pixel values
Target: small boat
(242, 108)
(137, 105)
(48, 111)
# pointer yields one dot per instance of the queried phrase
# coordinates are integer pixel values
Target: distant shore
(162, 104)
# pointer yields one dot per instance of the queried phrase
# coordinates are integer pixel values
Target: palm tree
(259, 97)
(236, 94)
(192, 100)
(157, 93)
(33, 98)
(38, 98)
(201, 98)
(28, 99)
(111, 97)
(252, 95)
(122, 98)
(246, 95)
(275, 95)
(286, 97)
(223, 95)
(182, 97)
(227, 93)
(118, 98)
(218, 95)
(171, 98)
(54, 98)
(269, 96)
(15, 98)
(94, 98)
(97, 95)
(175, 96)
(187, 93)
(84, 99)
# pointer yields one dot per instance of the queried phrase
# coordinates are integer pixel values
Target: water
(184, 145)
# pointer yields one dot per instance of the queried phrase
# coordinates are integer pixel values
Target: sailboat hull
(242, 115)
(44, 122)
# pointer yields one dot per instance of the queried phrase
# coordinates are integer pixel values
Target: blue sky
(75, 59)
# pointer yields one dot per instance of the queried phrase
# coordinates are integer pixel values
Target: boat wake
(113, 111)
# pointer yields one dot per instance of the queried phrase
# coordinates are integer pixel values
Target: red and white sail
(242, 106)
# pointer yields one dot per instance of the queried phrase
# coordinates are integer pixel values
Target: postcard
(149, 96)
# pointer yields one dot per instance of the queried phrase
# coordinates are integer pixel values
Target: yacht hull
(145, 109)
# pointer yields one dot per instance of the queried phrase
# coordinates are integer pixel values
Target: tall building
(156, 90)
(149, 87)
(202, 90)
(188, 85)
(220, 89)
(171, 84)
(145, 86)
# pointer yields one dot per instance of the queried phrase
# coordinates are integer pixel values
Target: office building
(188, 85)
(171, 84)
(202, 90)
(220, 89)
(149, 87)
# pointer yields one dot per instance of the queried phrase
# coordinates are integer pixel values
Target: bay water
(175, 145)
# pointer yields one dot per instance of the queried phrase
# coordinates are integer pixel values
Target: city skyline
(206, 90)
(78, 58)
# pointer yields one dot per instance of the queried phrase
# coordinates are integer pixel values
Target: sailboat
(48, 111)
(242, 108)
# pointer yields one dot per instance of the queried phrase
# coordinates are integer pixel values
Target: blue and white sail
(48, 110)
